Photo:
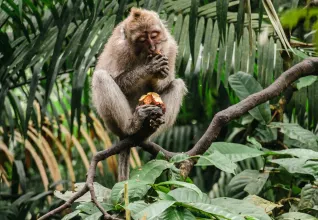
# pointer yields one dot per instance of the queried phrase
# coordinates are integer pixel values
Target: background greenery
(49, 130)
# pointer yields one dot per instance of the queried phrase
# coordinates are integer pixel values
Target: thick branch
(305, 68)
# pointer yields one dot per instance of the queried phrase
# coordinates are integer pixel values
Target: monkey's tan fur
(125, 72)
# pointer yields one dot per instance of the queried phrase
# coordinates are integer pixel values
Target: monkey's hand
(158, 66)
(147, 118)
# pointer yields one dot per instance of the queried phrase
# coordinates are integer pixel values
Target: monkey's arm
(172, 96)
(155, 68)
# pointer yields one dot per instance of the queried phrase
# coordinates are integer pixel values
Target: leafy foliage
(48, 50)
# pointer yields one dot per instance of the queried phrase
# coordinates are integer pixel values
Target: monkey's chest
(134, 96)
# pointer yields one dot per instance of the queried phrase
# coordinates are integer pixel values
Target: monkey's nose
(152, 48)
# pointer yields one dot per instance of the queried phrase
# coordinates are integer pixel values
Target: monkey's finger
(160, 121)
(160, 57)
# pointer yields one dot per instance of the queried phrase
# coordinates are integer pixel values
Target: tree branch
(305, 68)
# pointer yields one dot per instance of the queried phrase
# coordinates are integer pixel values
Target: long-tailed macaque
(138, 58)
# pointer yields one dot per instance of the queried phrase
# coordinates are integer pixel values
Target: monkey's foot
(155, 123)
(150, 116)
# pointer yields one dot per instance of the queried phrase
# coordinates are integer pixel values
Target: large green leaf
(177, 214)
(219, 160)
(296, 132)
(241, 207)
(251, 181)
(183, 184)
(151, 211)
(188, 195)
(137, 189)
(306, 81)
(308, 197)
(300, 153)
(215, 210)
(299, 166)
(244, 85)
(150, 171)
(234, 152)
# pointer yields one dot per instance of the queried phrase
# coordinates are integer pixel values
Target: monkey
(139, 57)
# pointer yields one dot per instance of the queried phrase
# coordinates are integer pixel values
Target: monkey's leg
(172, 96)
(112, 105)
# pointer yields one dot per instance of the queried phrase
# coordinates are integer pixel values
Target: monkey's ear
(135, 12)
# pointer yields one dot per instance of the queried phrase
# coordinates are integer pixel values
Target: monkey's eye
(154, 34)
(141, 39)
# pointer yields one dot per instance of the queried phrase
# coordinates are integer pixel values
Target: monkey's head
(145, 31)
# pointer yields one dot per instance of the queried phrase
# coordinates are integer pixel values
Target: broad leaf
(294, 131)
(150, 171)
(300, 153)
(234, 152)
(299, 165)
(219, 160)
(71, 215)
(150, 211)
(215, 210)
(308, 197)
(306, 81)
(183, 184)
(251, 181)
(179, 157)
(188, 195)
(241, 207)
(177, 214)
(244, 85)
(136, 190)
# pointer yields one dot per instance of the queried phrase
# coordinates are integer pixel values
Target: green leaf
(306, 81)
(183, 184)
(150, 171)
(219, 160)
(251, 181)
(300, 153)
(308, 197)
(214, 210)
(71, 215)
(234, 152)
(151, 211)
(298, 165)
(179, 157)
(90, 208)
(296, 216)
(177, 214)
(136, 190)
(165, 196)
(296, 132)
(245, 85)
(241, 207)
(188, 195)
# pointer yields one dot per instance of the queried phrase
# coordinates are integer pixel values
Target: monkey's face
(145, 31)
(148, 41)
